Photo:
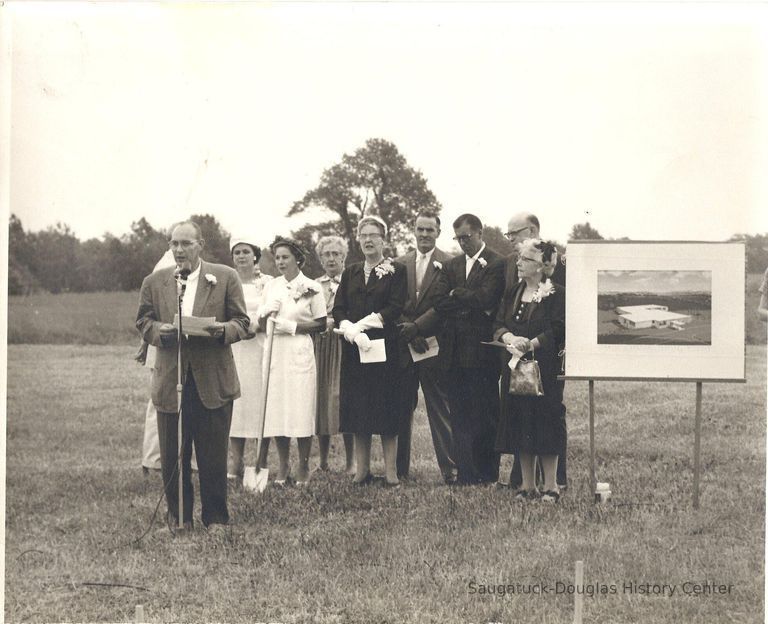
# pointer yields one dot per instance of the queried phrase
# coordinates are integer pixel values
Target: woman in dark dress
(369, 300)
(531, 322)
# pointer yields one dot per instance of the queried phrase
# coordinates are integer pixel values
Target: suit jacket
(427, 296)
(467, 316)
(210, 359)
(384, 295)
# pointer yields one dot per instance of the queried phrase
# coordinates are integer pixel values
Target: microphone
(181, 274)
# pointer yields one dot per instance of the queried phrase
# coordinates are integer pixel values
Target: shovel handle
(266, 364)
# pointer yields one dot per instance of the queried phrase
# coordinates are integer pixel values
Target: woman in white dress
(299, 308)
(248, 355)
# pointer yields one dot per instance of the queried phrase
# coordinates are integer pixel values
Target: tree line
(375, 179)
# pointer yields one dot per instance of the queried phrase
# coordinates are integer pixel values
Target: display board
(655, 310)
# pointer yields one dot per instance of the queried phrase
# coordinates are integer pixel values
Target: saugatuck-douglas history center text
(636, 588)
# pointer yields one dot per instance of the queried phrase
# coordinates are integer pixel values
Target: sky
(645, 119)
(654, 281)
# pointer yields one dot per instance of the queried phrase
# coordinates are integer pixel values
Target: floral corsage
(384, 268)
(544, 290)
(211, 278)
(304, 291)
(482, 262)
(437, 265)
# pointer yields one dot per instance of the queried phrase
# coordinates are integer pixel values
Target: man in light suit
(423, 265)
(522, 226)
(210, 382)
(467, 295)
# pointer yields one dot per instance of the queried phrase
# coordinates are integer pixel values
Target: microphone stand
(181, 287)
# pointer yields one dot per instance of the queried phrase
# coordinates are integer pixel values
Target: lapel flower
(334, 286)
(384, 268)
(211, 279)
(482, 262)
(437, 265)
(304, 291)
(544, 290)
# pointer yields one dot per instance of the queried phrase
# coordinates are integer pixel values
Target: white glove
(285, 326)
(362, 341)
(350, 329)
(507, 338)
(269, 307)
(372, 321)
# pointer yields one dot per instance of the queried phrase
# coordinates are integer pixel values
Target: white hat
(247, 240)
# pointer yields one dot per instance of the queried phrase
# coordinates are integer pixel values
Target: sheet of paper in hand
(432, 350)
(377, 352)
(194, 325)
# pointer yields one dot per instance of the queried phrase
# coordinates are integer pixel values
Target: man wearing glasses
(210, 382)
(523, 226)
(470, 288)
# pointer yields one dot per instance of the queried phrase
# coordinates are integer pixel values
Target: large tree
(375, 180)
(584, 231)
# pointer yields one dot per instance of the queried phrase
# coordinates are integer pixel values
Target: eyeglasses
(184, 244)
(331, 254)
(463, 238)
(513, 233)
(530, 259)
(374, 236)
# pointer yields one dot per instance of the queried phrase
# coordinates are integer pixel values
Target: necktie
(421, 269)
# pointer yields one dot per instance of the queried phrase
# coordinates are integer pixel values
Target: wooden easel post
(592, 473)
(697, 447)
(578, 597)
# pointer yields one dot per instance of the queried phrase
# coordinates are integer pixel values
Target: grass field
(335, 554)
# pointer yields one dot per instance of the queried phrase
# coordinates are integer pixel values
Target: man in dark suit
(468, 292)
(210, 382)
(522, 226)
(423, 264)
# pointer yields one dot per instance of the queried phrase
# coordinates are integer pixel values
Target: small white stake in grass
(578, 597)
(138, 617)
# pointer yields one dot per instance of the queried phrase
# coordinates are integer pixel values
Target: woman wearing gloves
(531, 322)
(368, 302)
(298, 306)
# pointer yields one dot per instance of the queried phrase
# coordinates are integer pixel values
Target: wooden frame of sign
(655, 311)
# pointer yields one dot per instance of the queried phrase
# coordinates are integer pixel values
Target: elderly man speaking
(210, 382)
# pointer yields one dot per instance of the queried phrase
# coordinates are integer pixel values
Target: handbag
(525, 379)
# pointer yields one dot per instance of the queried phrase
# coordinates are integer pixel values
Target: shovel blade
(255, 480)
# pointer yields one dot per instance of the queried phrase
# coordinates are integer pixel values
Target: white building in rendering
(645, 316)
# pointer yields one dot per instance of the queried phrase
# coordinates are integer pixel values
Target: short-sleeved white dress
(292, 394)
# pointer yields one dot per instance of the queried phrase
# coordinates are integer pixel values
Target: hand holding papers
(198, 325)
(514, 353)
(432, 350)
(375, 351)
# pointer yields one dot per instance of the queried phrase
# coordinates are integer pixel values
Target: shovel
(255, 477)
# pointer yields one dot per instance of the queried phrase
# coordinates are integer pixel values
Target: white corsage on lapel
(482, 262)
(438, 265)
(544, 290)
(302, 290)
(384, 268)
(211, 279)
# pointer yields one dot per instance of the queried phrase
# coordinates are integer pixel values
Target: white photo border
(724, 360)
